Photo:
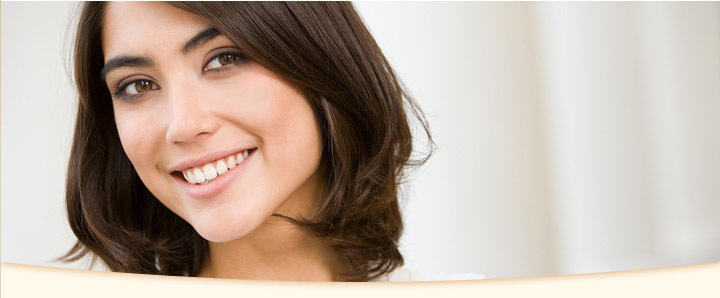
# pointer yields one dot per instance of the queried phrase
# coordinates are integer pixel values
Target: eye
(136, 87)
(223, 61)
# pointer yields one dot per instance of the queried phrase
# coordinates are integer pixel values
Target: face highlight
(217, 138)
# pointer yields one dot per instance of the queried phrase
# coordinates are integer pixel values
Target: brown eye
(138, 87)
(223, 60)
(226, 59)
(142, 86)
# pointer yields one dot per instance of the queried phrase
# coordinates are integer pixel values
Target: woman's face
(220, 140)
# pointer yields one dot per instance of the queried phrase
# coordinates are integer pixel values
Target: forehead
(138, 27)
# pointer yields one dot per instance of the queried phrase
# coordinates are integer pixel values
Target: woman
(237, 140)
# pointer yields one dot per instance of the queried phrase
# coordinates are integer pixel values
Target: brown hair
(324, 49)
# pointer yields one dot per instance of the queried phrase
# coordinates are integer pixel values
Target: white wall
(480, 204)
(631, 94)
(38, 110)
(572, 137)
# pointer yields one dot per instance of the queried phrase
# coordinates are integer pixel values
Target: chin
(226, 226)
(220, 232)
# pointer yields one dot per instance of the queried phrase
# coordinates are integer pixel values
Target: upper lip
(205, 159)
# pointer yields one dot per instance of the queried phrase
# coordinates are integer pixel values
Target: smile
(210, 171)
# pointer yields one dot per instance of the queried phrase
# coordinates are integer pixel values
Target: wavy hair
(322, 48)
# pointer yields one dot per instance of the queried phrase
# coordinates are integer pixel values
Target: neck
(277, 250)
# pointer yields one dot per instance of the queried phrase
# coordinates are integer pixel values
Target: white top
(403, 274)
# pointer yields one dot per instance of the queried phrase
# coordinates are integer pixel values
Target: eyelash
(238, 60)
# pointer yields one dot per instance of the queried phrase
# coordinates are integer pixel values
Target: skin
(187, 110)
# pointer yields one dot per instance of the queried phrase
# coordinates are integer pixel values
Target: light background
(573, 137)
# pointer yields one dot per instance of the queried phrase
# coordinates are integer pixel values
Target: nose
(190, 117)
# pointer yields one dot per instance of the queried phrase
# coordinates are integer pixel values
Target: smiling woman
(237, 140)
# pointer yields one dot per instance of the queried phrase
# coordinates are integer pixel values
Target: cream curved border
(683, 281)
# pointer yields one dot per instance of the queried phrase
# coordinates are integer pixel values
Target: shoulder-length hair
(324, 49)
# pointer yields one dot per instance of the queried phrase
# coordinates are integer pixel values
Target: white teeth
(231, 162)
(221, 167)
(190, 177)
(199, 176)
(210, 172)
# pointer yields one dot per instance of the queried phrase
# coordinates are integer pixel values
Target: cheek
(278, 114)
(134, 130)
(288, 133)
(298, 148)
(141, 139)
(292, 124)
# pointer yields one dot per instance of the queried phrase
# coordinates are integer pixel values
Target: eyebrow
(124, 61)
(200, 39)
(196, 41)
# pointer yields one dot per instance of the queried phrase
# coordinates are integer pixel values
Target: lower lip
(217, 185)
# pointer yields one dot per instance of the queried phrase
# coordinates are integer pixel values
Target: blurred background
(572, 137)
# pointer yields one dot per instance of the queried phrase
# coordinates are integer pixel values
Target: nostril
(189, 122)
